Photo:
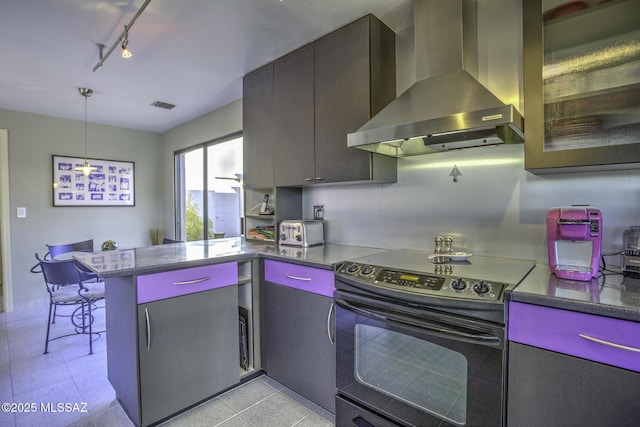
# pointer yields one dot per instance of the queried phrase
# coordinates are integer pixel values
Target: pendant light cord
(86, 93)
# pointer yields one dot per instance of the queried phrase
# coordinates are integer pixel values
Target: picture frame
(112, 183)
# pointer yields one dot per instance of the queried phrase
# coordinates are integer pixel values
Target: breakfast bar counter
(155, 259)
(174, 314)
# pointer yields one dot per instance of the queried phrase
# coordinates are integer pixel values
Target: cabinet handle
(148, 324)
(608, 343)
(319, 178)
(331, 340)
(191, 282)
(308, 179)
(306, 279)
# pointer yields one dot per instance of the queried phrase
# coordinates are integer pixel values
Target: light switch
(22, 212)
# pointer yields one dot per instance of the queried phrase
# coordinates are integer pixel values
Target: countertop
(610, 295)
(155, 259)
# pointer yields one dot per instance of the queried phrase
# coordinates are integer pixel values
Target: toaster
(300, 232)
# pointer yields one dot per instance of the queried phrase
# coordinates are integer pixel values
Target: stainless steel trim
(482, 338)
(447, 132)
(331, 338)
(191, 282)
(448, 107)
(305, 279)
(148, 326)
(609, 343)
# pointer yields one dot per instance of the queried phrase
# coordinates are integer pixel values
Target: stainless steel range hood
(447, 108)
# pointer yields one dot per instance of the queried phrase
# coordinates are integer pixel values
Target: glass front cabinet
(582, 84)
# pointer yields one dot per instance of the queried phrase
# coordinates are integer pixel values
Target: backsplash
(495, 208)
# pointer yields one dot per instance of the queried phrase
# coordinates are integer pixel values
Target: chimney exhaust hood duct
(447, 108)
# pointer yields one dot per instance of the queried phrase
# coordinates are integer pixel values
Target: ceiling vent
(164, 105)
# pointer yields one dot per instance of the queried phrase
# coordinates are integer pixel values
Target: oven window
(424, 375)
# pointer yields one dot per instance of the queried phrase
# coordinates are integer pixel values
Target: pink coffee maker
(574, 241)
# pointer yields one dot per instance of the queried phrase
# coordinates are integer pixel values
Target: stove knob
(458, 284)
(352, 268)
(367, 270)
(481, 287)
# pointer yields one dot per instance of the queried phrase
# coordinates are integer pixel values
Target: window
(209, 190)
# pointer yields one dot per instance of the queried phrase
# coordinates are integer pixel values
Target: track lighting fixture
(86, 168)
(122, 40)
(126, 53)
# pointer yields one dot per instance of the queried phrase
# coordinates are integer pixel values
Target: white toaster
(299, 232)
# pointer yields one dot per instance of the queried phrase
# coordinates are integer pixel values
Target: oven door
(413, 367)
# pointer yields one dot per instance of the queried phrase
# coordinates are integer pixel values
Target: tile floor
(31, 380)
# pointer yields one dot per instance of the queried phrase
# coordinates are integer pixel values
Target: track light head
(126, 53)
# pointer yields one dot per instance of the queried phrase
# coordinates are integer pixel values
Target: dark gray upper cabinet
(299, 109)
(581, 87)
(355, 78)
(293, 117)
(257, 114)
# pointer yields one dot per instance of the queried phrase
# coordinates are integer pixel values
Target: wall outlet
(21, 212)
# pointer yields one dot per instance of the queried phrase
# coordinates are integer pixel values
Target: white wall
(496, 207)
(33, 139)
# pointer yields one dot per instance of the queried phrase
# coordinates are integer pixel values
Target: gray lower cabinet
(549, 389)
(568, 368)
(298, 332)
(188, 350)
(173, 339)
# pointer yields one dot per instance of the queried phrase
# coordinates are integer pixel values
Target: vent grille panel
(164, 105)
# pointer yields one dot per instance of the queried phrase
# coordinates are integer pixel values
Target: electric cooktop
(413, 272)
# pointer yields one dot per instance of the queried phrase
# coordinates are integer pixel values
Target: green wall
(33, 139)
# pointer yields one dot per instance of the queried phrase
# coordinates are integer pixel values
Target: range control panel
(417, 282)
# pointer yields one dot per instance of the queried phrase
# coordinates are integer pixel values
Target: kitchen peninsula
(172, 321)
(172, 317)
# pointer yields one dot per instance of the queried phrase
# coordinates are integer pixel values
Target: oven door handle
(369, 311)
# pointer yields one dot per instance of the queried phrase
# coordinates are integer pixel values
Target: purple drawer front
(561, 330)
(169, 284)
(315, 280)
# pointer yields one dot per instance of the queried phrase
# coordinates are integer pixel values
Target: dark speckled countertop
(609, 295)
(155, 259)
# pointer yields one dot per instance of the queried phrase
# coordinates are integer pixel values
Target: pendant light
(86, 168)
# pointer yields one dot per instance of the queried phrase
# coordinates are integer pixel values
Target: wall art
(111, 183)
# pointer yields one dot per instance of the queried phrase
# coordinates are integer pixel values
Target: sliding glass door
(209, 190)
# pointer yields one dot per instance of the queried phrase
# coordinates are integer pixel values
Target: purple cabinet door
(310, 279)
(169, 284)
(601, 339)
